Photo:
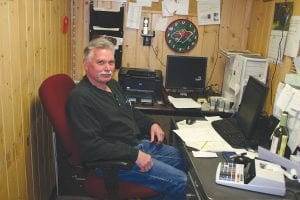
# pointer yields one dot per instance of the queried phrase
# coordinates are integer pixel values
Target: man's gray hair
(98, 43)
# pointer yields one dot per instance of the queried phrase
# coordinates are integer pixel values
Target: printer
(141, 85)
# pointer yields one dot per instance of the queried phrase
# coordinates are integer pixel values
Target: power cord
(276, 64)
(155, 51)
(218, 42)
(211, 90)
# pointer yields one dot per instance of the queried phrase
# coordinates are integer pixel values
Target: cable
(213, 69)
(156, 56)
(210, 87)
(214, 66)
(276, 63)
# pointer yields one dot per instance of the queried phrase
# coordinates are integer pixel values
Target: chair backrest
(54, 93)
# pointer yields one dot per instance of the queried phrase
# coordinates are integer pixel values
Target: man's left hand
(157, 134)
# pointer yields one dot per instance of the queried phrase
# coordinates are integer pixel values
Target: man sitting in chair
(107, 127)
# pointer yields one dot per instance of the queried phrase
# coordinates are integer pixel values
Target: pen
(203, 145)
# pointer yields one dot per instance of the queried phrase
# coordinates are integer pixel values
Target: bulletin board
(156, 7)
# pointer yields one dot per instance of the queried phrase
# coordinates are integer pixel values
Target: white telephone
(257, 175)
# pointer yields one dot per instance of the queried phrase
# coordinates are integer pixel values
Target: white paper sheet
(276, 46)
(146, 3)
(182, 7)
(168, 7)
(183, 102)
(287, 99)
(212, 118)
(99, 28)
(202, 136)
(203, 154)
(293, 37)
(209, 12)
(297, 62)
(134, 15)
(161, 24)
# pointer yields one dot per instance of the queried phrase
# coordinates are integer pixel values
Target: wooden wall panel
(3, 151)
(261, 22)
(232, 33)
(80, 35)
(32, 48)
(26, 55)
(245, 24)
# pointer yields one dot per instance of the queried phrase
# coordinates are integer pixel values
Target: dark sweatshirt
(105, 125)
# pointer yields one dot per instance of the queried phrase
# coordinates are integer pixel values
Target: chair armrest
(127, 165)
(110, 170)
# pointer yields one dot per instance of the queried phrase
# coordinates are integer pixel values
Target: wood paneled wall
(245, 24)
(33, 47)
(232, 34)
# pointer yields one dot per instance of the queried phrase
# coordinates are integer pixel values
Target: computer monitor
(252, 103)
(185, 73)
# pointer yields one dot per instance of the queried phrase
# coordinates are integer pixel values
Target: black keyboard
(228, 129)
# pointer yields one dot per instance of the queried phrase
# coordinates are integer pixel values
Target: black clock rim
(173, 22)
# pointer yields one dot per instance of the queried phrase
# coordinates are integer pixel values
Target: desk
(168, 109)
(202, 174)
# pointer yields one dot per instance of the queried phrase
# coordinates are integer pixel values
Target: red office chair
(54, 92)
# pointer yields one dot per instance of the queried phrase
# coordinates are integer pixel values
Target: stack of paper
(183, 102)
(202, 136)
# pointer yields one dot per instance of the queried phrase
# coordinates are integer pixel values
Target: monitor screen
(251, 105)
(186, 72)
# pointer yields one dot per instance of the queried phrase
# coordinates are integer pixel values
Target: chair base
(95, 187)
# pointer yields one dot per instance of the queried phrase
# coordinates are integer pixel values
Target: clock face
(181, 35)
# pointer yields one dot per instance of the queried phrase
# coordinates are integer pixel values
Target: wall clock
(181, 35)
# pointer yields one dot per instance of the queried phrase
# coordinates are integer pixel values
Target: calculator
(230, 173)
(254, 176)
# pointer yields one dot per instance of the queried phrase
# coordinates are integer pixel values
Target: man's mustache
(105, 73)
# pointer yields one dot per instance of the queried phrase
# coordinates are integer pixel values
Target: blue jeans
(167, 175)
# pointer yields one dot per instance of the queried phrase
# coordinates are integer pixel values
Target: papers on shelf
(183, 102)
(202, 136)
(99, 28)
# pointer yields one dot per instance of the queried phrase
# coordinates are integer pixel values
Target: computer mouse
(190, 121)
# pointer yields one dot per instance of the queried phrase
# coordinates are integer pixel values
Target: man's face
(100, 66)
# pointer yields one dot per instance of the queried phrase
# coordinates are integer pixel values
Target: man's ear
(85, 65)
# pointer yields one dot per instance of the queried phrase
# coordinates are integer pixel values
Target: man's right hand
(144, 161)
